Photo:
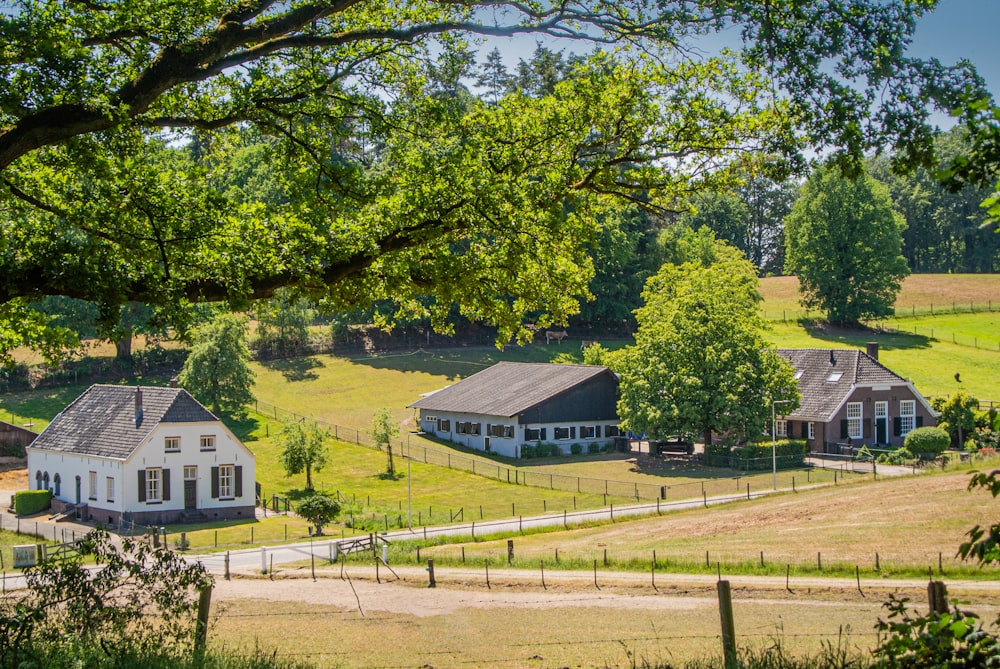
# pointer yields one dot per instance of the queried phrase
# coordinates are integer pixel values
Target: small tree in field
(304, 449)
(319, 510)
(384, 430)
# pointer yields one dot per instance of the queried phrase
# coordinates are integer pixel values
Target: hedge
(790, 454)
(28, 502)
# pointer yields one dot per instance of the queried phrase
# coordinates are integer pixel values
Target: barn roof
(104, 421)
(510, 388)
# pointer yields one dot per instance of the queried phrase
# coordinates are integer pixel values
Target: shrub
(28, 502)
(319, 510)
(609, 447)
(899, 456)
(928, 442)
(528, 451)
(576, 449)
(548, 449)
(757, 456)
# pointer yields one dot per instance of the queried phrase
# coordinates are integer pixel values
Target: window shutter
(166, 485)
(542, 434)
(215, 483)
(920, 421)
(897, 426)
(867, 429)
(239, 480)
(142, 485)
(572, 432)
(843, 429)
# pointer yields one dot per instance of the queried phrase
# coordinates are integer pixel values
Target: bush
(790, 453)
(576, 449)
(899, 456)
(593, 447)
(319, 510)
(528, 451)
(609, 447)
(927, 442)
(28, 502)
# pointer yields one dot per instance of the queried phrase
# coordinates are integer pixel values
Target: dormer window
(208, 442)
(834, 377)
(171, 444)
(798, 374)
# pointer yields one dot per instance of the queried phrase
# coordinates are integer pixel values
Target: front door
(881, 422)
(190, 487)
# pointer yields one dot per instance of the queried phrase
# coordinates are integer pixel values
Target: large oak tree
(122, 123)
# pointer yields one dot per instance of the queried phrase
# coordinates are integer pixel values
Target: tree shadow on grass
(296, 369)
(243, 426)
(858, 337)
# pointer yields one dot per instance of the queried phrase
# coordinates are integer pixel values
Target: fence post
(201, 628)
(728, 624)
(937, 593)
(430, 573)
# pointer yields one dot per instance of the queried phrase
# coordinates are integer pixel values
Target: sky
(957, 29)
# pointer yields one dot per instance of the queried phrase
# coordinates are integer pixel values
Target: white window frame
(154, 485)
(109, 488)
(190, 472)
(881, 409)
(907, 416)
(92, 485)
(855, 420)
(171, 444)
(588, 432)
(207, 442)
(227, 479)
(780, 427)
(812, 430)
(556, 431)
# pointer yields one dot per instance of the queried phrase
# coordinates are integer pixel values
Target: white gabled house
(511, 404)
(147, 454)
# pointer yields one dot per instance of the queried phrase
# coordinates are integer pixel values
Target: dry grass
(908, 521)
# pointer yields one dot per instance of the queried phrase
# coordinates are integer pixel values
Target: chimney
(833, 360)
(138, 406)
(173, 382)
(871, 348)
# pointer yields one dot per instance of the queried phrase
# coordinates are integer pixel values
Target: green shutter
(867, 428)
(166, 485)
(142, 485)
(897, 426)
(239, 480)
(215, 483)
(920, 421)
(844, 432)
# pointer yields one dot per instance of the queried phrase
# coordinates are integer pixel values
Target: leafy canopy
(304, 448)
(129, 133)
(217, 370)
(843, 239)
(700, 363)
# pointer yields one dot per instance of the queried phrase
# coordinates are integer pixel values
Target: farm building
(509, 404)
(850, 398)
(150, 455)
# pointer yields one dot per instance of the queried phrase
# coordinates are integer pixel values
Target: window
(504, 431)
(190, 473)
(798, 374)
(781, 428)
(226, 475)
(561, 433)
(532, 434)
(154, 482)
(444, 425)
(834, 377)
(588, 432)
(854, 420)
(508, 431)
(881, 409)
(92, 485)
(907, 416)
(172, 444)
(208, 442)
(430, 419)
(57, 481)
(610, 430)
(460, 427)
(109, 484)
(812, 430)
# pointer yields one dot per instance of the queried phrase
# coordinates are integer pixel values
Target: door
(190, 487)
(881, 422)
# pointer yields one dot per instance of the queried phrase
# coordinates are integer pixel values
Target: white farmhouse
(150, 455)
(511, 404)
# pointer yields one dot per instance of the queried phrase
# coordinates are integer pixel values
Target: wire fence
(929, 309)
(499, 471)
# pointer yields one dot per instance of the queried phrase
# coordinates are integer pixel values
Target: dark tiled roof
(102, 421)
(510, 388)
(821, 394)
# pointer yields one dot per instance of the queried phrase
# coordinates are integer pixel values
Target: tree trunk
(309, 480)
(123, 348)
(392, 467)
(707, 437)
